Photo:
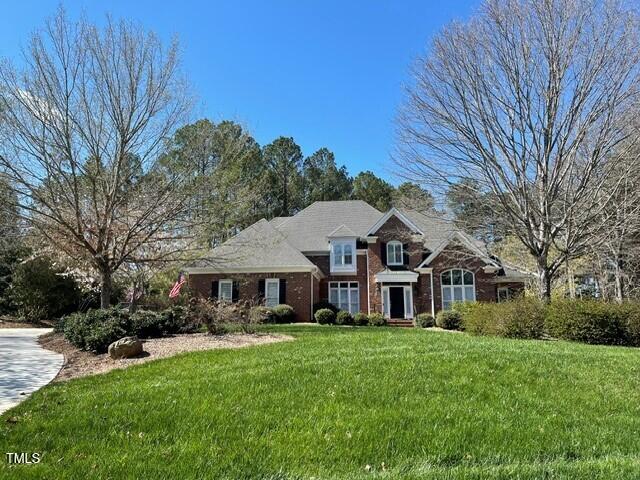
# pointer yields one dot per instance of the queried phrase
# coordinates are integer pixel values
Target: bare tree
(532, 99)
(82, 124)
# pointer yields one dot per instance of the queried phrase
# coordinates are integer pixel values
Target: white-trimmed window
(394, 253)
(271, 292)
(345, 296)
(458, 285)
(225, 290)
(343, 255)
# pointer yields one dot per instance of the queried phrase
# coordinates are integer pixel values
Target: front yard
(344, 403)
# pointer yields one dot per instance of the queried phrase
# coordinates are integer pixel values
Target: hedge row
(328, 316)
(95, 330)
(588, 321)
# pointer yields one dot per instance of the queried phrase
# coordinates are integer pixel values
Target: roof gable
(394, 212)
(464, 241)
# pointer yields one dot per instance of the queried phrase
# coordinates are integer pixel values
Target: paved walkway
(24, 365)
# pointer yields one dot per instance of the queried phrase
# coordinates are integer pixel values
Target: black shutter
(283, 291)
(214, 289)
(234, 292)
(261, 288)
(405, 254)
(383, 253)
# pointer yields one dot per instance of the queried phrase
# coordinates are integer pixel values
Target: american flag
(175, 291)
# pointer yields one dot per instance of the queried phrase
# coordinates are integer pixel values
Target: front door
(396, 300)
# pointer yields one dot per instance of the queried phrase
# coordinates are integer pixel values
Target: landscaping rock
(125, 348)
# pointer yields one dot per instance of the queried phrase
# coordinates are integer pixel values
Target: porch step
(400, 322)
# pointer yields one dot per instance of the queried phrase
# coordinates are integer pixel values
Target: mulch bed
(79, 363)
(10, 322)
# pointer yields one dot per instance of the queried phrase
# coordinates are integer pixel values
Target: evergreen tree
(373, 190)
(323, 180)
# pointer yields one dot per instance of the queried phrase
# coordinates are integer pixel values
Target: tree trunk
(544, 280)
(619, 285)
(105, 289)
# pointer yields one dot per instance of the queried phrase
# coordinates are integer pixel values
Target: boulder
(125, 347)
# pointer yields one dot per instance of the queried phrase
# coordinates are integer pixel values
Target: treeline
(236, 181)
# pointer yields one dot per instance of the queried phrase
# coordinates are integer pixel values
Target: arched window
(394, 253)
(458, 285)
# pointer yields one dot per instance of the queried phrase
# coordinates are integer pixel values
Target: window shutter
(405, 254)
(234, 292)
(214, 289)
(383, 253)
(283, 291)
(261, 288)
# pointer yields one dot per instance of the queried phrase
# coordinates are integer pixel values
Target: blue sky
(327, 73)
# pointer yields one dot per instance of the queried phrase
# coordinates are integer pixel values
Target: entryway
(397, 301)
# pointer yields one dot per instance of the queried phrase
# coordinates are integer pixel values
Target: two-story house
(400, 263)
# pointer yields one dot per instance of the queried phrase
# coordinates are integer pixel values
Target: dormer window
(343, 255)
(394, 253)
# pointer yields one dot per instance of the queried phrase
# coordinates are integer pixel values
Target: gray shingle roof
(308, 230)
(281, 241)
(256, 247)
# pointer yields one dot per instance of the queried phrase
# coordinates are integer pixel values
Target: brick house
(400, 263)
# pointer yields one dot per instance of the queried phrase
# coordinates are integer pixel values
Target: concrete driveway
(24, 365)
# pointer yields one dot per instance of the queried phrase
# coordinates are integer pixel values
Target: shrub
(344, 318)
(588, 321)
(449, 319)
(324, 316)
(517, 318)
(96, 329)
(377, 320)
(147, 324)
(324, 304)
(361, 319)
(283, 313)
(176, 319)
(424, 320)
(633, 325)
(262, 314)
(40, 291)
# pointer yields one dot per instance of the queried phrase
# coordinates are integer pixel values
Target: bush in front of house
(449, 319)
(325, 316)
(324, 304)
(588, 321)
(377, 320)
(517, 318)
(261, 314)
(361, 319)
(95, 330)
(343, 317)
(284, 313)
(176, 319)
(147, 324)
(424, 320)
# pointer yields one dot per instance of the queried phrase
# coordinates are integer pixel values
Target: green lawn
(426, 404)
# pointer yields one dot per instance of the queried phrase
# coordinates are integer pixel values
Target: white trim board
(237, 270)
(390, 276)
(465, 242)
(400, 216)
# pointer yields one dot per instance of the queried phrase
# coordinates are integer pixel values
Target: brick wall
(322, 261)
(298, 289)
(458, 257)
(395, 229)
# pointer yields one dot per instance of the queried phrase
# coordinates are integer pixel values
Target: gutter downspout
(368, 284)
(311, 306)
(433, 305)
